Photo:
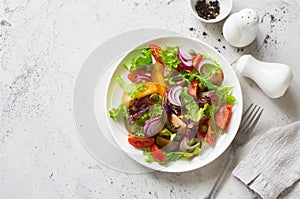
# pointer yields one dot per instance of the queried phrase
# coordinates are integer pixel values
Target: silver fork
(249, 120)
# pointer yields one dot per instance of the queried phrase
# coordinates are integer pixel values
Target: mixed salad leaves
(173, 103)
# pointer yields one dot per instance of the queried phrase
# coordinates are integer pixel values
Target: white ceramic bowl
(225, 9)
(118, 131)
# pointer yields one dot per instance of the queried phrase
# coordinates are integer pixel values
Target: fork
(249, 120)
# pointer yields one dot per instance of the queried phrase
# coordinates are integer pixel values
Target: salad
(173, 103)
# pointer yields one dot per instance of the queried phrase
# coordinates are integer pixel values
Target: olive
(165, 133)
(155, 97)
(192, 52)
(161, 141)
(203, 128)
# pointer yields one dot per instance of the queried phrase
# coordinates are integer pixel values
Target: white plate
(208, 154)
(97, 139)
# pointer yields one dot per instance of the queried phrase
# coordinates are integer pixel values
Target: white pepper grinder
(272, 78)
(241, 28)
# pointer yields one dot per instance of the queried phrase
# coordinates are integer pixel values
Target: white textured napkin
(273, 164)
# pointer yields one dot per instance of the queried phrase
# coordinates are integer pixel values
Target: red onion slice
(166, 72)
(164, 99)
(152, 126)
(174, 95)
(141, 77)
(188, 145)
(172, 146)
(186, 63)
(202, 63)
(183, 56)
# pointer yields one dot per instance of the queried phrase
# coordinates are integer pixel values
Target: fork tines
(250, 118)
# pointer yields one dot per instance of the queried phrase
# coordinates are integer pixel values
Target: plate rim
(238, 87)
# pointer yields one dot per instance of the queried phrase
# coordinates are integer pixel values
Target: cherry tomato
(210, 135)
(192, 88)
(157, 154)
(141, 142)
(196, 60)
(153, 46)
(155, 52)
(223, 116)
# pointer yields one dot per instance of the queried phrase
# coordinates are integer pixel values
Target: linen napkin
(273, 165)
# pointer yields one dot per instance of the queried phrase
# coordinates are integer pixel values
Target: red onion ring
(184, 57)
(152, 126)
(141, 77)
(186, 63)
(202, 63)
(174, 95)
(184, 144)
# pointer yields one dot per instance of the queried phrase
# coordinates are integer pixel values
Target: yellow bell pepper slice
(150, 89)
(158, 78)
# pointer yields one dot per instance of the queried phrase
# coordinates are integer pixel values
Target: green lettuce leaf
(118, 113)
(131, 89)
(230, 99)
(137, 130)
(169, 56)
(171, 156)
(142, 119)
(225, 96)
(143, 59)
(189, 76)
(210, 113)
(193, 111)
(155, 110)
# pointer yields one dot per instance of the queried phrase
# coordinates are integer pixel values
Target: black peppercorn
(207, 10)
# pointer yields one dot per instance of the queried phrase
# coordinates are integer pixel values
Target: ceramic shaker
(241, 28)
(272, 78)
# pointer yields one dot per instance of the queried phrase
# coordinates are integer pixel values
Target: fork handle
(222, 174)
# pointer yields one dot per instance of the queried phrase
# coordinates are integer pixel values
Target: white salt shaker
(272, 78)
(241, 28)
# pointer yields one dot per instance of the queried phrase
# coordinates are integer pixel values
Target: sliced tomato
(141, 142)
(155, 52)
(223, 116)
(192, 88)
(154, 46)
(157, 154)
(210, 135)
(196, 60)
